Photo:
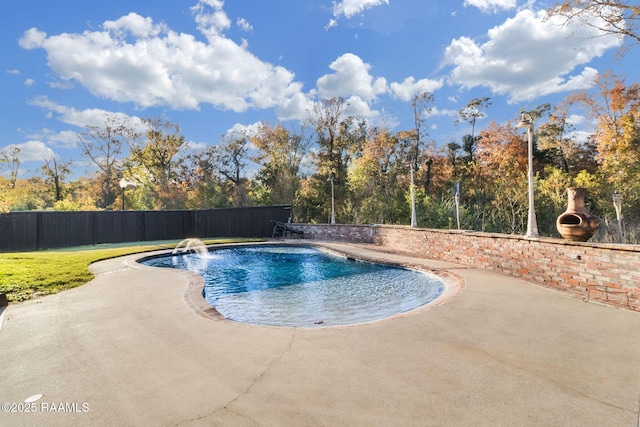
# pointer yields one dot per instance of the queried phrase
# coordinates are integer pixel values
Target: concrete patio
(125, 350)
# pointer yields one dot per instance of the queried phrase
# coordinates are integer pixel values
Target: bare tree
(619, 17)
(328, 116)
(55, 172)
(470, 113)
(421, 106)
(103, 146)
(230, 160)
(10, 156)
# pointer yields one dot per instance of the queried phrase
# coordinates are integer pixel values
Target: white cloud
(526, 57)
(332, 23)
(14, 71)
(32, 39)
(66, 139)
(435, 112)
(579, 136)
(240, 131)
(556, 84)
(409, 87)
(297, 106)
(135, 25)
(491, 5)
(351, 77)
(63, 139)
(60, 85)
(29, 82)
(211, 25)
(132, 59)
(350, 8)
(33, 151)
(84, 118)
(358, 107)
(576, 119)
(353, 81)
(244, 25)
(580, 128)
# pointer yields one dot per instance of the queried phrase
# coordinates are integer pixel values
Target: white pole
(617, 203)
(457, 199)
(414, 221)
(532, 225)
(333, 213)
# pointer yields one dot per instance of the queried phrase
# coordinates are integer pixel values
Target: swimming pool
(302, 286)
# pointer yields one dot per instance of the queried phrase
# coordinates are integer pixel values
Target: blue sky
(211, 66)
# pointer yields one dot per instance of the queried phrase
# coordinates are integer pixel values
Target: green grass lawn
(28, 275)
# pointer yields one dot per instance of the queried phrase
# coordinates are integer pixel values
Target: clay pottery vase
(576, 223)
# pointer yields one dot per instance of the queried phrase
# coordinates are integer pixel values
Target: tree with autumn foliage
(153, 164)
(339, 138)
(280, 155)
(103, 145)
(558, 147)
(202, 183)
(616, 110)
(614, 107)
(231, 160)
(55, 172)
(499, 179)
(378, 178)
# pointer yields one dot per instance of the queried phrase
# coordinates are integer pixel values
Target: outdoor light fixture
(124, 184)
(526, 121)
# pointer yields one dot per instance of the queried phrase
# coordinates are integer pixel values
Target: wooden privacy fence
(28, 231)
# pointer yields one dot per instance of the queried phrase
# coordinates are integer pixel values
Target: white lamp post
(526, 121)
(414, 221)
(333, 210)
(124, 184)
(456, 199)
(617, 203)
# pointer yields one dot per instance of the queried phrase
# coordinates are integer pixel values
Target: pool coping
(193, 296)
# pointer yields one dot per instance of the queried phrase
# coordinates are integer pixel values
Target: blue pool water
(300, 286)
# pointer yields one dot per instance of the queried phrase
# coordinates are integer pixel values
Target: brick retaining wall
(603, 272)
